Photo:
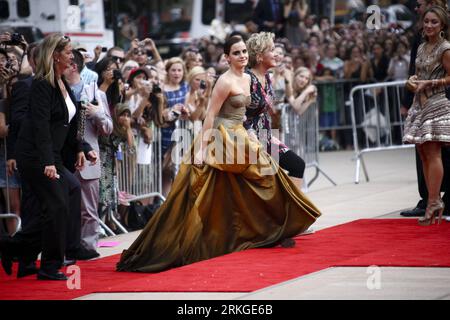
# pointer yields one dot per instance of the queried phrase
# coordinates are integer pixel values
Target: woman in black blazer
(50, 126)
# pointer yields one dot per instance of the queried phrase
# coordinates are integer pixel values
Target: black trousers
(52, 219)
(423, 191)
(291, 162)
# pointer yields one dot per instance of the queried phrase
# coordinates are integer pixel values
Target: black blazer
(20, 96)
(46, 130)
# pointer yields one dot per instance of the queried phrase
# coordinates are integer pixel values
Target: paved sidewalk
(392, 188)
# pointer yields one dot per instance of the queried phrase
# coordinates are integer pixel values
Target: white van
(82, 20)
(194, 19)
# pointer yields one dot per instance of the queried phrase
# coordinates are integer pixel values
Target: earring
(442, 34)
(423, 34)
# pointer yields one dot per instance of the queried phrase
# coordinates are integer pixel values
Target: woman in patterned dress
(262, 57)
(428, 121)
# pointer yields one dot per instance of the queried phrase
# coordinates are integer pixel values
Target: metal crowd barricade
(332, 100)
(8, 214)
(301, 134)
(376, 120)
(140, 181)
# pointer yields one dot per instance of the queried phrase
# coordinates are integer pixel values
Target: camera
(156, 89)
(202, 84)
(176, 114)
(16, 39)
(146, 83)
(117, 75)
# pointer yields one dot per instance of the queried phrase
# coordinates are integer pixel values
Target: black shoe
(42, 275)
(85, 254)
(6, 258)
(416, 212)
(26, 269)
(7, 263)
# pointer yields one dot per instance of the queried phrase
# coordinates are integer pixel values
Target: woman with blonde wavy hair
(262, 58)
(50, 128)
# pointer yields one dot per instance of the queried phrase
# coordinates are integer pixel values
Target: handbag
(136, 216)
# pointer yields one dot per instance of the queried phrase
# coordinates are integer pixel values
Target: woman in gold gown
(220, 207)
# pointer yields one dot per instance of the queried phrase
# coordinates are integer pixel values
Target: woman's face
(377, 50)
(64, 58)
(238, 55)
(287, 62)
(269, 56)
(154, 79)
(401, 49)
(302, 79)
(432, 25)
(137, 81)
(140, 56)
(331, 51)
(126, 72)
(124, 117)
(195, 82)
(14, 62)
(356, 53)
(108, 74)
(176, 73)
(313, 42)
(279, 55)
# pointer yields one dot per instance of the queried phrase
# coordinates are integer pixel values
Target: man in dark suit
(268, 15)
(419, 210)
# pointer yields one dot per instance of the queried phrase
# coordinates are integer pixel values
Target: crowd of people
(64, 114)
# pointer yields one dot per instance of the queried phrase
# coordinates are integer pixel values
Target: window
(208, 11)
(73, 2)
(238, 11)
(4, 9)
(23, 8)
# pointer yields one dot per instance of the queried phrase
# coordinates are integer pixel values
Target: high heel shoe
(435, 208)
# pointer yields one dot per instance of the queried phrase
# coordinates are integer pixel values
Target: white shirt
(70, 108)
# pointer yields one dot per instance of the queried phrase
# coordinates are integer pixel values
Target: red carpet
(400, 243)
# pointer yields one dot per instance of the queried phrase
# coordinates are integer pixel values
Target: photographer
(109, 79)
(140, 88)
(143, 52)
(199, 93)
(16, 46)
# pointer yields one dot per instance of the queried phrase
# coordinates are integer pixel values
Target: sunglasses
(118, 59)
(140, 52)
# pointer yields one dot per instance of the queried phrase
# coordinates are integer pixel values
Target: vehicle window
(4, 9)
(238, 11)
(23, 8)
(208, 11)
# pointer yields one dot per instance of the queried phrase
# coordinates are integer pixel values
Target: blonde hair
(257, 44)
(169, 65)
(45, 65)
(195, 71)
(298, 71)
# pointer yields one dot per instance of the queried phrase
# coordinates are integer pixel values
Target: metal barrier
(376, 120)
(9, 215)
(301, 135)
(334, 113)
(140, 180)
